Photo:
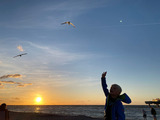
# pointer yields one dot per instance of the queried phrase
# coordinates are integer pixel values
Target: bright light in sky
(64, 64)
(38, 100)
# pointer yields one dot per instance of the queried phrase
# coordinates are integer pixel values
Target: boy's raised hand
(104, 74)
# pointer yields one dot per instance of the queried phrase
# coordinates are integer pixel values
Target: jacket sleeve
(125, 98)
(104, 86)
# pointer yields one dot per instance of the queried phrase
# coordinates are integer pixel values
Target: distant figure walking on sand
(153, 112)
(4, 114)
(114, 109)
(144, 115)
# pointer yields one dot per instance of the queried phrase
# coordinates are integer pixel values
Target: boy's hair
(118, 87)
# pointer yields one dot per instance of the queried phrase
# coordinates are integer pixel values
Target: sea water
(132, 112)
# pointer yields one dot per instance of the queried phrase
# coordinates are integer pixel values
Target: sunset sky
(63, 64)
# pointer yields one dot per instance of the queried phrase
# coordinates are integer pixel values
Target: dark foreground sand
(42, 116)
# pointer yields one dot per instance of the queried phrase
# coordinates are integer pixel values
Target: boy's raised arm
(104, 85)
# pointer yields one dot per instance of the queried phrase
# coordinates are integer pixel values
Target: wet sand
(42, 116)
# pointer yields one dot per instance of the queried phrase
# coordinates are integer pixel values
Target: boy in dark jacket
(114, 109)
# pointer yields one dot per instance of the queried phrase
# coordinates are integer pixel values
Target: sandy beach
(42, 116)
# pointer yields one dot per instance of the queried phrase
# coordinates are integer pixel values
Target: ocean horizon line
(72, 105)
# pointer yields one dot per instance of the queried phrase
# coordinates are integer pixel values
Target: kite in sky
(20, 55)
(69, 23)
(20, 48)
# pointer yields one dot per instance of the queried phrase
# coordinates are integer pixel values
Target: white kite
(20, 48)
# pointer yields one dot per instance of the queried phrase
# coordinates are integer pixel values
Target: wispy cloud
(16, 98)
(76, 5)
(11, 76)
(20, 48)
(130, 25)
(1, 86)
(59, 55)
(8, 82)
(49, 15)
(18, 84)
(24, 84)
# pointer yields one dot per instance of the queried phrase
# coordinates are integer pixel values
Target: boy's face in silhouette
(114, 91)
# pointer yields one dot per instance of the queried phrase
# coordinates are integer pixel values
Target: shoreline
(44, 116)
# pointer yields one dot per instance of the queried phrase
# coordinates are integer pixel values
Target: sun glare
(38, 100)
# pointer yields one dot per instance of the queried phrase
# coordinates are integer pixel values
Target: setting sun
(38, 100)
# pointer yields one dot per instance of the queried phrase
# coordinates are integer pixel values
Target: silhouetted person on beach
(153, 112)
(4, 114)
(144, 115)
(114, 109)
